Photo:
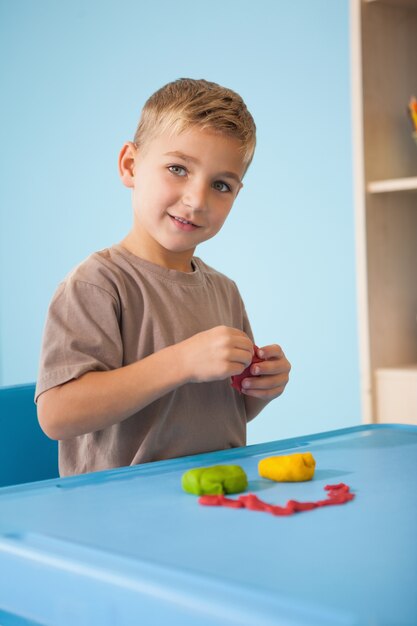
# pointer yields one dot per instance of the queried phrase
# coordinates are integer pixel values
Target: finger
(270, 352)
(270, 368)
(241, 340)
(264, 394)
(242, 357)
(265, 382)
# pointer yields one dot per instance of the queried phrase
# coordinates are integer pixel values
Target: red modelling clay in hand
(237, 379)
(336, 494)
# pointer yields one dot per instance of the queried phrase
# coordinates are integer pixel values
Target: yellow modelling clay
(291, 468)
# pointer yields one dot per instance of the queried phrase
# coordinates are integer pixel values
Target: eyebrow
(186, 157)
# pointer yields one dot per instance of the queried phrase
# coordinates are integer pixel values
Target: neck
(180, 261)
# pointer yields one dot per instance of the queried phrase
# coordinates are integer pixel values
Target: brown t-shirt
(115, 309)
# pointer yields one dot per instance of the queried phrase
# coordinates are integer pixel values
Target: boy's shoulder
(214, 275)
(99, 269)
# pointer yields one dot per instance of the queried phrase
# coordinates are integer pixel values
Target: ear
(127, 164)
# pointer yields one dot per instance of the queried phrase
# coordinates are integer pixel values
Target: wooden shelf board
(395, 184)
(399, 370)
(398, 3)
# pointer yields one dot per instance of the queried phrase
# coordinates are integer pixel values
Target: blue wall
(74, 78)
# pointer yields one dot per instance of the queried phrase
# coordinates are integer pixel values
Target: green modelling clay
(214, 480)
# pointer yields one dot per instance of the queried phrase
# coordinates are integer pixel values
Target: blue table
(127, 546)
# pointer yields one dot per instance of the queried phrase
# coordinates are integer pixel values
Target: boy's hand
(215, 354)
(270, 376)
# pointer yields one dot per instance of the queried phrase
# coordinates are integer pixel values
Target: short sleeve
(246, 323)
(246, 327)
(82, 334)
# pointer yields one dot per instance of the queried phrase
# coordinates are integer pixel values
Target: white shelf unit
(384, 77)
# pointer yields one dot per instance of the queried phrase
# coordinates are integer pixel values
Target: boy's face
(183, 189)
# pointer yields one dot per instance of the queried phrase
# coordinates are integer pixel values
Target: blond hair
(189, 103)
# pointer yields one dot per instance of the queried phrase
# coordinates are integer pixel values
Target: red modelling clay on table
(336, 494)
(237, 379)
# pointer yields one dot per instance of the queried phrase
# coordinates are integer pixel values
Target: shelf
(395, 184)
(384, 73)
(410, 369)
(411, 4)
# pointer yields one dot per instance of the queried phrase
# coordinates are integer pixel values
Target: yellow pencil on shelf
(412, 109)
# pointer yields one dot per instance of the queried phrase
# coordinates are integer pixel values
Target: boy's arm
(100, 399)
(268, 381)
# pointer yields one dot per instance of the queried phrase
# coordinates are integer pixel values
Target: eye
(178, 170)
(219, 185)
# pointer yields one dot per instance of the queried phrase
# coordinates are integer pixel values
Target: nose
(195, 195)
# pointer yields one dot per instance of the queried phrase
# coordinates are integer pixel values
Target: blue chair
(26, 453)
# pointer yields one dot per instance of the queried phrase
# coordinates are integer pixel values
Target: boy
(142, 338)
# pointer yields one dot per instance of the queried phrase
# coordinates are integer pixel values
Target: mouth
(182, 223)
